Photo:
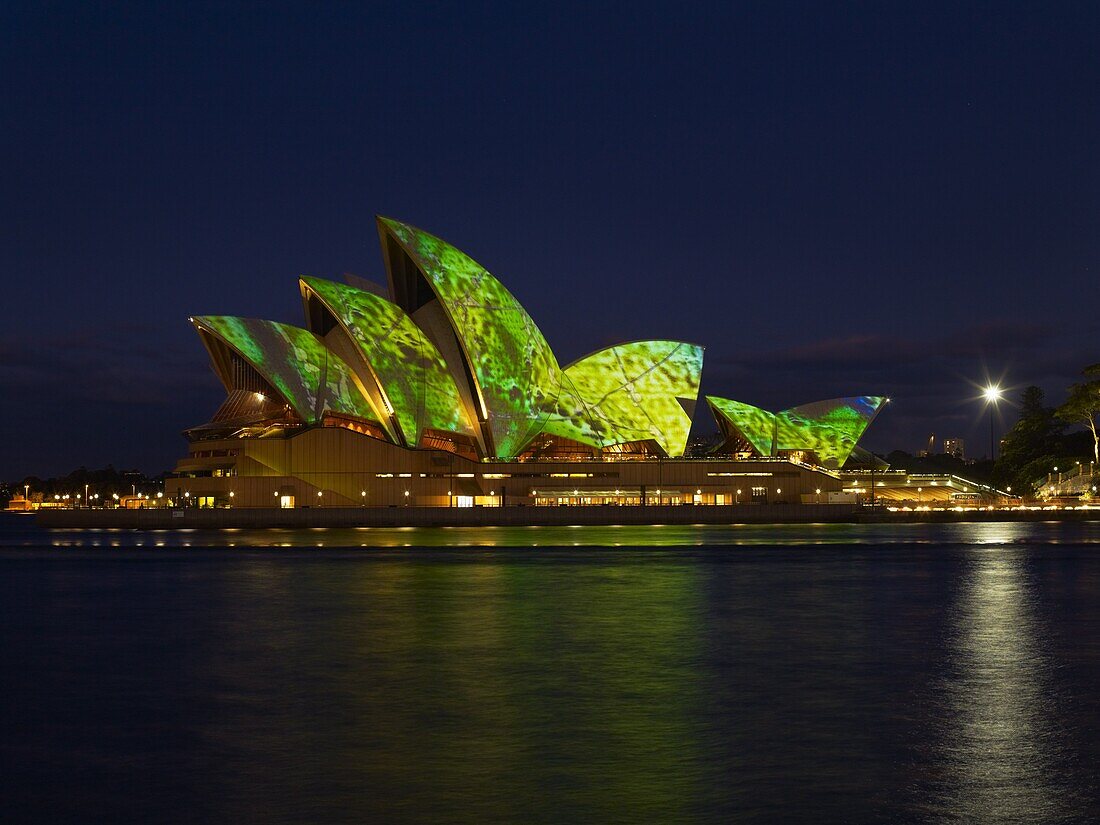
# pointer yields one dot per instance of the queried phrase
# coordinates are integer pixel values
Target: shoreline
(518, 516)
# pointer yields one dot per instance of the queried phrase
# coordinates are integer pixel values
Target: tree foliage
(1082, 406)
(1034, 444)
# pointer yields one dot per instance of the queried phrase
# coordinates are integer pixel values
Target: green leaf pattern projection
(296, 363)
(408, 366)
(629, 392)
(513, 365)
(830, 429)
(755, 425)
(625, 393)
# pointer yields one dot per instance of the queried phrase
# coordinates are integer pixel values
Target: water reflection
(1002, 751)
(750, 681)
(24, 534)
(472, 693)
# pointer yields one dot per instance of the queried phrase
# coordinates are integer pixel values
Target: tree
(1033, 443)
(1083, 406)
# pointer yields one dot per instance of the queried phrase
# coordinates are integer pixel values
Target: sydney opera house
(440, 390)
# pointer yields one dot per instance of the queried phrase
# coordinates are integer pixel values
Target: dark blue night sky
(834, 199)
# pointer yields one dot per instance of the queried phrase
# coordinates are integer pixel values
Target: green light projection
(513, 365)
(408, 366)
(830, 429)
(641, 391)
(630, 392)
(296, 363)
(755, 425)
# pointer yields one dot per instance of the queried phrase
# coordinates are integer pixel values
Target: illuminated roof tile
(753, 424)
(407, 366)
(830, 428)
(516, 374)
(638, 391)
(294, 361)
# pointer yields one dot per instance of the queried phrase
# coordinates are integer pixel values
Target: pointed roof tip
(388, 220)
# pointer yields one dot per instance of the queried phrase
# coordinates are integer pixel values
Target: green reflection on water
(465, 692)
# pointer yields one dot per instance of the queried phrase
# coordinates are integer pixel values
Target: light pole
(992, 394)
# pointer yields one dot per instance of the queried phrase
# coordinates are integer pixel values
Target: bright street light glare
(992, 393)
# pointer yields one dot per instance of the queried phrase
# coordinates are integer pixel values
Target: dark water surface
(751, 674)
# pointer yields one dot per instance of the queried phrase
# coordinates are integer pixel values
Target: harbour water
(805, 673)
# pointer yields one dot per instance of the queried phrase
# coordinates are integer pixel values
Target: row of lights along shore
(992, 394)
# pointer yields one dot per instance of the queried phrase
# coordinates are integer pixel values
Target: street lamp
(992, 394)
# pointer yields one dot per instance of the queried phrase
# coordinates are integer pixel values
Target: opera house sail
(829, 430)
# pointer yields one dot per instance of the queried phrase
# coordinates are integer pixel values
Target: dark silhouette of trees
(1082, 406)
(1033, 446)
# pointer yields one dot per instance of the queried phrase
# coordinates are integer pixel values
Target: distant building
(954, 446)
(19, 504)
